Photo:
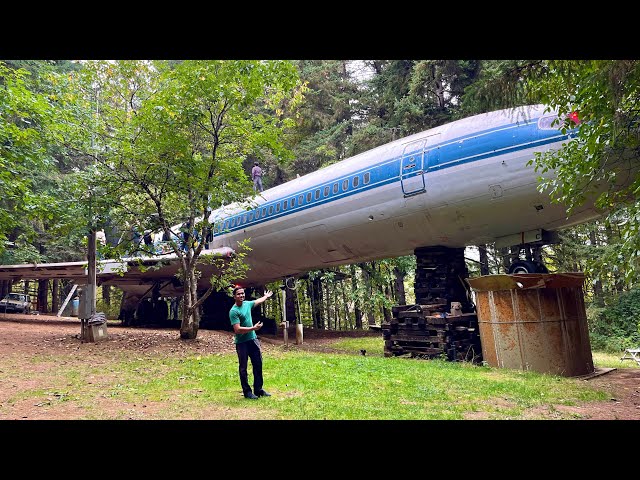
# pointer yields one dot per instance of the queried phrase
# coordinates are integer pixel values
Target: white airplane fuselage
(468, 182)
(464, 183)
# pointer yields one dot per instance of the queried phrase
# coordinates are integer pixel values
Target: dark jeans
(246, 350)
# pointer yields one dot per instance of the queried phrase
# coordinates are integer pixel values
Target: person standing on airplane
(256, 176)
(247, 343)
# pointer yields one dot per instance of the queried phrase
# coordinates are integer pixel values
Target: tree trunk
(384, 289)
(371, 318)
(325, 302)
(278, 308)
(598, 296)
(385, 311)
(106, 294)
(43, 293)
(357, 311)
(618, 280)
(303, 302)
(336, 309)
(290, 305)
(399, 286)
(311, 303)
(316, 303)
(347, 315)
(190, 315)
(296, 298)
(55, 296)
(484, 260)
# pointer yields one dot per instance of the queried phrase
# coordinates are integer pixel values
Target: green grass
(373, 345)
(323, 386)
(304, 385)
(610, 360)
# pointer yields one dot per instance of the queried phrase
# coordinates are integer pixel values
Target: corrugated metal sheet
(534, 322)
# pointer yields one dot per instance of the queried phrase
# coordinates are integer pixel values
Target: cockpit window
(545, 123)
(551, 122)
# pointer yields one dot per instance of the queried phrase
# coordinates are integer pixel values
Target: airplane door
(412, 169)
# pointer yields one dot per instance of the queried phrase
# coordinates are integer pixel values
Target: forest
(119, 145)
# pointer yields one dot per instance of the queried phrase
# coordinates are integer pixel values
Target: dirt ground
(24, 336)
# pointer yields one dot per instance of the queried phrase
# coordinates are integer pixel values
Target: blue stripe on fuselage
(464, 149)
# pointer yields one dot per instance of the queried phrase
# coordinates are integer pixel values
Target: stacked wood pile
(428, 331)
(440, 274)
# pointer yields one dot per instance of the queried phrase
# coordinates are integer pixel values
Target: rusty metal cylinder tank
(534, 322)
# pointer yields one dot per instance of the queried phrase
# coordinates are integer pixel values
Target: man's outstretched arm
(266, 295)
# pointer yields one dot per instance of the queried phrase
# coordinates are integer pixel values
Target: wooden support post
(284, 323)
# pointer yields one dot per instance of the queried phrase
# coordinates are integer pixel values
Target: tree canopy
(605, 94)
(25, 115)
(167, 142)
(147, 145)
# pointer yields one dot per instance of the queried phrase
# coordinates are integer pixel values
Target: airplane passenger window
(244, 218)
(345, 185)
(335, 187)
(277, 207)
(264, 212)
(366, 178)
(326, 190)
(356, 181)
(251, 216)
(233, 222)
(270, 209)
(317, 194)
(308, 197)
(285, 204)
(226, 224)
(300, 199)
(257, 213)
(293, 202)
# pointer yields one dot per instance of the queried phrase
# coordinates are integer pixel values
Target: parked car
(16, 303)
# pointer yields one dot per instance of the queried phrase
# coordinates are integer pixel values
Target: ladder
(66, 300)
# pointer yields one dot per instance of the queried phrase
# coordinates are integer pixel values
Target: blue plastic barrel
(75, 306)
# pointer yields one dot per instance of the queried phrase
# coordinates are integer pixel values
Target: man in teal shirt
(247, 343)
